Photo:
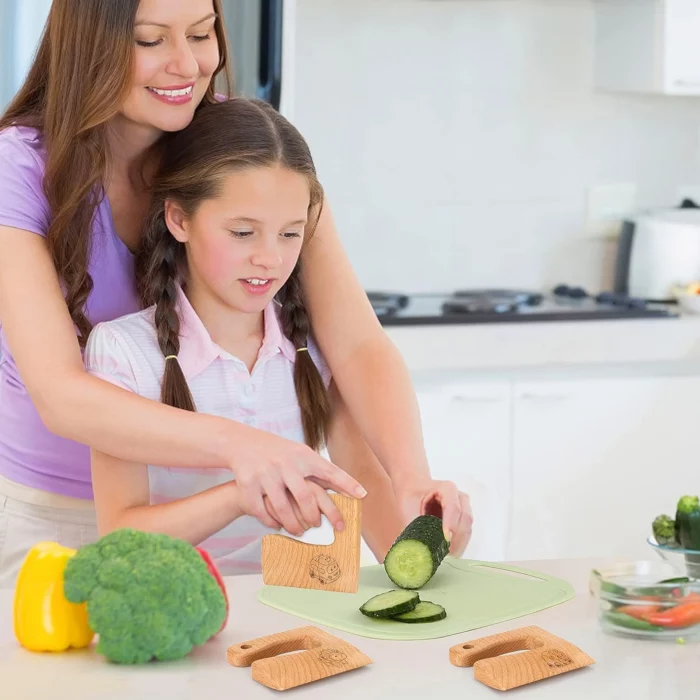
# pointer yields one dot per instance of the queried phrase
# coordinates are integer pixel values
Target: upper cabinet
(649, 46)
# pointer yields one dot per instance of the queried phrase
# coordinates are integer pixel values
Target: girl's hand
(284, 472)
(324, 505)
(444, 500)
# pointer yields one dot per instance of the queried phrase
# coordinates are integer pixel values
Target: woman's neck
(237, 332)
(130, 144)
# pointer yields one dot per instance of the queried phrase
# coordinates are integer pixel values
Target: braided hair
(161, 271)
(222, 138)
(314, 403)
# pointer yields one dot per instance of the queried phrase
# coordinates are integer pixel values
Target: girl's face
(175, 55)
(243, 245)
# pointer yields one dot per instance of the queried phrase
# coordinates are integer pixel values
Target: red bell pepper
(639, 612)
(217, 577)
(684, 615)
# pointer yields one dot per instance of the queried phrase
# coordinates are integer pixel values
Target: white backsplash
(457, 138)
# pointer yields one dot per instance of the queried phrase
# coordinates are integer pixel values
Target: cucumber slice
(417, 553)
(390, 603)
(425, 611)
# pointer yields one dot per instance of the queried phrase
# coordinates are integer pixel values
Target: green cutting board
(474, 594)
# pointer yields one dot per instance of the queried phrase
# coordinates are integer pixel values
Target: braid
(162, 266)
(311, 391)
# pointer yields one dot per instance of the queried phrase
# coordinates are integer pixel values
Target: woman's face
(175, 55)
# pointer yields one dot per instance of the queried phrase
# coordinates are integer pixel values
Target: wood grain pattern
(332, 567)
(321, 655)
(544, 655)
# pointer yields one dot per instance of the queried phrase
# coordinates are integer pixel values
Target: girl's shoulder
(123, 349)
(134, 328)
(123, 339)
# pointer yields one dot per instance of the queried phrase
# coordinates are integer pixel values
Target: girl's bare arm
(374, 382)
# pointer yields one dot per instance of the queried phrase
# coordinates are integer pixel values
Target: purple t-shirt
(29, 453)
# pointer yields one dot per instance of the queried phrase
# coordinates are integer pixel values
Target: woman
(78, 143)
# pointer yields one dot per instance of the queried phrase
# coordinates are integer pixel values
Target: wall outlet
(607, 206)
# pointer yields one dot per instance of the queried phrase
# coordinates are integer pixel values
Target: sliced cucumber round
(425, 611)
(390, 603)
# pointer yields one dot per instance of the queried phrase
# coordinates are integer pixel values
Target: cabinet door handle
(532, 396)
(687, 83)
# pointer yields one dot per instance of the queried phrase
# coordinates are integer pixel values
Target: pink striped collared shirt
(125, 352)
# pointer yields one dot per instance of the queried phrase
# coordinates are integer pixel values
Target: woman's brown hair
(230, 136)
(79, 79)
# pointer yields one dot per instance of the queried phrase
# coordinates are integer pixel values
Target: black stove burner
(490, 301)
(387, 303)
(563, 291)
(479, 306)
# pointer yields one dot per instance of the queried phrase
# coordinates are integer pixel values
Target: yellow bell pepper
(44, 620)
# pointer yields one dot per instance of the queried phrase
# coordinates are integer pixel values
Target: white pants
(24, 524)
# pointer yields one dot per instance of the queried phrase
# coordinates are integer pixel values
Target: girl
(76, 144)
(226, 332)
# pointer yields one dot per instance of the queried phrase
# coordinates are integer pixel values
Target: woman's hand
(292, 479)
(444, 500)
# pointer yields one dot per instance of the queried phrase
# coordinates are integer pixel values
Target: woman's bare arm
(369, 371)
(86, 409)
(382, 520)
(374, 381)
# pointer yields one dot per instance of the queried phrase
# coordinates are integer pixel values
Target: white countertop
(625, 669)
(501, 347)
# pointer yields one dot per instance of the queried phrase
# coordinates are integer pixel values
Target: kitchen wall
(457, 138)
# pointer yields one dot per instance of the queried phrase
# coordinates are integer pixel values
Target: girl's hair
(80, 77)
(230, 136)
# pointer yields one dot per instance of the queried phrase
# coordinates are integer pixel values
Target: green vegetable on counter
(622, 620)
(417, 553)
(402, 606)
(390, 603)
(149, 596)
(425, 611)
(664, 529)
(687, 526)
(688, 531)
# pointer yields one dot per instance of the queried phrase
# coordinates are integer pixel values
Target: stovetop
(563, 303)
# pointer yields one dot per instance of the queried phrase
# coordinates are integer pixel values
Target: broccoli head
(148, 596)
(664, 528)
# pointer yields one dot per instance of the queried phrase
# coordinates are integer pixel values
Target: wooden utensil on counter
(544, 655)
(324, 656)
(333, 567)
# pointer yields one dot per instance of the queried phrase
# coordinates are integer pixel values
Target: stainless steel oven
(259, 36)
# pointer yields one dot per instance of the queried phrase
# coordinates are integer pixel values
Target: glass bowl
(648, 600)
(685, 561)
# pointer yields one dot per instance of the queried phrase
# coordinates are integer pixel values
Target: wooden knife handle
(467, 654)
(246, 653)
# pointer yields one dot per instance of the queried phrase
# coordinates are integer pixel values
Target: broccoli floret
(664, 528)
(148, 596)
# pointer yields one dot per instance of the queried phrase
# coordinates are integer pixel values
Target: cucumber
(417, 553)
(390, 603)
(425, 611)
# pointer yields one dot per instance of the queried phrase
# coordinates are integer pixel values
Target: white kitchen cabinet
(649, 46)
(466, 429)
(595, 460)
